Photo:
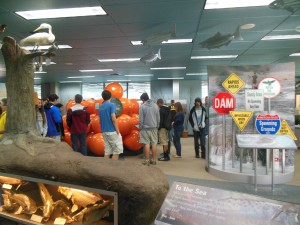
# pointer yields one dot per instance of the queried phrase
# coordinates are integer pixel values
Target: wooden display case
(38, 201)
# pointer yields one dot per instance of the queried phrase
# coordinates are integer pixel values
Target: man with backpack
(164, 126)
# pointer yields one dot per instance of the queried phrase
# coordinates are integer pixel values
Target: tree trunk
(19, 85)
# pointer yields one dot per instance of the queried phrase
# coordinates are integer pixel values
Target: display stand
(259, 141)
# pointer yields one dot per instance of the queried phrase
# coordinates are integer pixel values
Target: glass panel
(92, 90)
(135, 90)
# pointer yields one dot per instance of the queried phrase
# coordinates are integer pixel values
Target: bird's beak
(37, 29)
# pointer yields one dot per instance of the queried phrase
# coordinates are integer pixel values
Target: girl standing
(178, 128)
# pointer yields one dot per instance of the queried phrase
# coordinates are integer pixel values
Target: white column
(175, 89)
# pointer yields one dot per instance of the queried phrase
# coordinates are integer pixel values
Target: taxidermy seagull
(42, 38)
(151, 57)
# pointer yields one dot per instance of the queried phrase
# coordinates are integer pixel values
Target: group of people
(154, 122)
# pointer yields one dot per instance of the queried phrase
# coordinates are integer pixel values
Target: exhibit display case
(37, 201)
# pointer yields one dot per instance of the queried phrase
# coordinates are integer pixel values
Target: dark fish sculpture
(289, 5)
(158, 38)
(218, 40)
(151, 57)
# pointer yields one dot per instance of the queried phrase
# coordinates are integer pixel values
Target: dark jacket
(163, 113)
(193, 116)
(78, 119)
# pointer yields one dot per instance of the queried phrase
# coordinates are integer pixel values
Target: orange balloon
(126, 104)
(131, 141)
(89, 136)
(116, 89)
(64, 120)
(135, 106)
(95, 124)
(135, 121)
(70, 104)
(90, 105)
(67, 138)
(125, 124)
(96, 144)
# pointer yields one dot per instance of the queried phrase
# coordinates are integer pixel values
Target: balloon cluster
(127, 117)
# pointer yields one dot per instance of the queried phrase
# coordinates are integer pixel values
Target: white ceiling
(109, 36)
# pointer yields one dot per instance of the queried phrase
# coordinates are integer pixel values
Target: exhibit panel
(37, 201)
(263, 99)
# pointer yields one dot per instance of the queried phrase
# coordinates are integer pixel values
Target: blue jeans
(199, 135)
(176, 141)
(170, 135)
(82, 140)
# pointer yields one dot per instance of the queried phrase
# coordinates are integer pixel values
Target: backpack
(169, 120)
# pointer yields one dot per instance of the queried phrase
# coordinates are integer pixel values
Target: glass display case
(37, 201)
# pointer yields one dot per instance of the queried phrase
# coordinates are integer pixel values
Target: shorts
(163, 136)
(148, 136)
(113, 143)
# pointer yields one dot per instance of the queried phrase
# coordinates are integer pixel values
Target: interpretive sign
(188, 204)
(223, 103)
(285, 129)
(233, 83)
(254, 100)
(241, 118)
(271, 87)
(267, 124)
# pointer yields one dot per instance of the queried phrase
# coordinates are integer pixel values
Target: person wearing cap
(149, 120)
(197, 118)
(3, 105)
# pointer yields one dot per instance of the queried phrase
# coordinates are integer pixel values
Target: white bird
(42, 38)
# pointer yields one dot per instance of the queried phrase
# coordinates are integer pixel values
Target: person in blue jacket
(53, 118)
(178, 128)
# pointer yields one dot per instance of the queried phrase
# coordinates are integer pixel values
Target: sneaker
(197, 156)
(164, 159)
(176, 156)
(153, 162)
(146, 162)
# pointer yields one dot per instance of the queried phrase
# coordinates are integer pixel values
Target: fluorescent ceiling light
(196, 74)
(45, 47)
(178, 41)
(81, 77)
(214, 57)
(139, 75)
(59, 13)
(118, 80)
(295, 54)
(221, 4)
(171, 41)
(170, 78)
(120, 60)
(280, 37)
(100, 70)
(73, 81)
(37, 78)
(40, 72)
(168, 68)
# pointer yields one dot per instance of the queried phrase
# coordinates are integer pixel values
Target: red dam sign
(223, 103)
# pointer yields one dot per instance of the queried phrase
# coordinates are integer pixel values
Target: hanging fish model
(151, 57)
(158, 38)
(219, 40)
(289, 5)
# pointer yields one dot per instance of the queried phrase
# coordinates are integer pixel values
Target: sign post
(223, 103)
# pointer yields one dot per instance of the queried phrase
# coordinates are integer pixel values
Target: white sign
(254, 100)
(271, 87)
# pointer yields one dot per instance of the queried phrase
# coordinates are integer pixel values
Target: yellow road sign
(241, 118)
(285, 129)
(233, 83)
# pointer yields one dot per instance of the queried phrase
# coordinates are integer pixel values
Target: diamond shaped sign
(233, 83)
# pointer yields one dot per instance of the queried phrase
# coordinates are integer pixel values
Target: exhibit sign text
(267, 124)
(223, 103)
(285, 129)
(233, 83)
(271, 87)
(254, 100)
(189, 204)
(241, 118)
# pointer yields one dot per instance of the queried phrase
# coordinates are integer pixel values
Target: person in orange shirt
(3, 105)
